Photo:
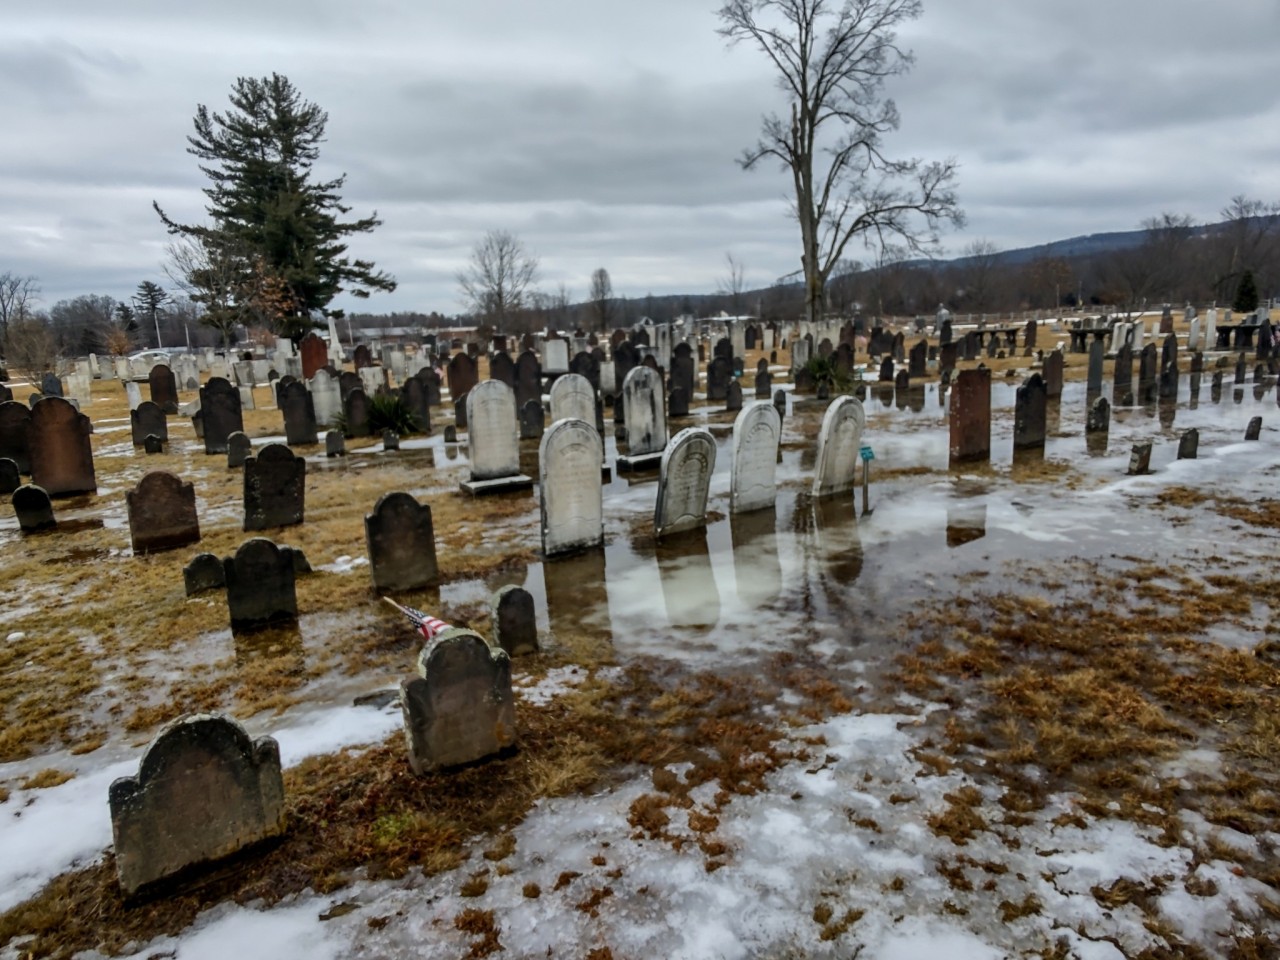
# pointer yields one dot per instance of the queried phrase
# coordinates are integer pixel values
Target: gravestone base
(480, 488)
(646, 461)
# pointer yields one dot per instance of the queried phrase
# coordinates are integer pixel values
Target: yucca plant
(388, 412)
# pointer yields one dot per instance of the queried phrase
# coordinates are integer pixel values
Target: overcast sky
(605, 133)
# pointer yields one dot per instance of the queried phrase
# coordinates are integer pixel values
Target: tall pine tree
(285, 231)
(1246, 299)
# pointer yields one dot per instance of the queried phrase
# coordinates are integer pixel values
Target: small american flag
(426, 624)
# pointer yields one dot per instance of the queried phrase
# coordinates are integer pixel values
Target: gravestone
(61, 454)
(15, 432)
(1097, 352)
(164, 388)
(970, 416)
(1254, 430)
(756, 434)
(515, 624)
(260, 585)
(1099, 417)
(10, 479)
(1148, 374)
(462, 375)
(528, 378)
(1140, 458)
(839, 446)
(148, 420)
(460, 413)
(1029, 335)
(1189, 444)
(1052, 373)
(677, 403)
(33, 508)
(501, 367)
(274, 488)
(326, 398)
(494, 442)
(645, 417)
(684, 369)
(162, 513)
(886, 370)
(571, 498)
(414, 395)
(532, 420)
(451, 434)
(1122, 373)
(780, 403)
(1030, 410)
(51, 386)
(401, 544)
(298, 408)
(204, 572)
(459, 708)
(239, 449)
(1241, 369)
(586, 365)
(719, 373)
(355, 411)
(220, 414)
(133, 394)
(684, 481)
(335, 444)
(348, 381)
(363, 357)
(315, 354)
(733, 396)
(572, 398)
(390, 440)
(764, 384)
(555, 357)
(204, 790)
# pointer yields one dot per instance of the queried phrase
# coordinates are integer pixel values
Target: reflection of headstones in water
(966, 522)
(688, 583)
(834, 541)
(577, 598)
(757, 571)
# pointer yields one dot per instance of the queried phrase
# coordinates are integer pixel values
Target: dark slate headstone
(886, 370)
(971, 416)
(764, 385)
(899, 348)
(947, 357)
(1148, 375)
(1029, 335)
(274, 488)
(390, 440)
(501, 367)
(10, 479)
(462, 374)
(719, 373)
(239, 449)
(1242, 369)
(151, 444)
(459, 708)
(1254, 430)
(414, 396)
(515, 623)
(15, 430)
(355, 413)
(780, 403)
(1029, 414)
(162, 513)
(532, 420)
(460, 413)
(164, 388)
(528, 385)
(50, 385)
(586, 365)
(335, 444)
(733, 396)
(1097, 353)
(401, 544)
(1189, 445)
(61, 455)
(148, 419)
(260, 585)
(363, 356)
(677, 402)
(919, 358)
(1099, 417)
(902, 381)
(299, 413)
(683, 369)
(5, 393)
(944, 333)
(204, 790)
(1140, 459)
(33, 508)
(204, 572)
(451, 434)
(1052, 373)
(1122, 373)
(723, 348)
(348, 381)
(220, 413)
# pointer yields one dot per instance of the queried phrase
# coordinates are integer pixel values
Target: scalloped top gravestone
(298, 408)
(61, 455)
(163, 386)
(459, 708)
(274, 488)
(401, 543)
(148, 420)
(684, 481)
(162, 513)
(261, 587)
(756, 432)
(572, 504)
(204, 790)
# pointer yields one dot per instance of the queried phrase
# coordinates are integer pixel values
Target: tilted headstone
(261, 586)
(756, 434)
(148, 420)
(1052, 373)
(970, 416)
(1030, 410)
(1140, 459)
(1189, 444)
(239, 449)
(515, 624)
(298, 408)
(162, 513)
(61, 454)
(646, 415)
(571, 498)
(1254, 430)
(204, 572)
(839, 446)
(274, 488)
(684, 481)
(459, 708)
(220, 413)
(33, 508)
(164, 388)
(204, 790)
(401, 544)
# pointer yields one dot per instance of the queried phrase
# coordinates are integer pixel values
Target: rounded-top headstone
(515, 624)
(33, 507)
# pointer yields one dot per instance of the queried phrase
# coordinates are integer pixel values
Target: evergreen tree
(285, 230)
(1246, 300)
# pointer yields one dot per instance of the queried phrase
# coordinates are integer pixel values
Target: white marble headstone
(756, 432)
(684, 482)
(569, 459)
(493, 431)
(839, 445)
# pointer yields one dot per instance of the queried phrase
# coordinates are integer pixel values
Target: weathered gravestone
(335, 444)
(572, 398)
(148, 420)
(239, 449)
(1099, 417)
(10, 478)
(733, 396)
(220, 414)
(753, 483)
(1052, 373)
(298, 408)
(401, 544)
(1097, 353)
(501, 367)
(164, 388)
(162, 513)
(274, 488)
(204, 790)
(460, 413)
(684, 481)
(532, 420)
(33, 508)
(515, 624)
(555, 357)
(463, 376)
(261, 586)
(528, 378)
(61, 455)
(970, 416)
(1030, 409)
(326, 398)
(918, 358)
(15, 430)
(572, 509)
(459, 708)
(764, 384)
(1254, 430)
(355, 411)
(390, 440)
(1122, 373)
(683, 369)
(494, 442)
(839, 446)
(645, 418)
(315, 355)
(50, 385)
(363, 357)
(1140, 459)
(415, 397)
(1189, 444)
(204, 572)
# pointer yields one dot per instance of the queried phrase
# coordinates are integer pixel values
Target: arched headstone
(401, 543)
(839, 444)
(162, 513)
(61, 455)
(756, 433)
(684, 481)
(569, 459)
(274, 488)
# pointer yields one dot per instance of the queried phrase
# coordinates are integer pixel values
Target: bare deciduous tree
(213, 276)
(31, 346)
(499, 278)
(732, 284)
(978, 273)
(833, 62)
(602, 298)
(16, 296)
